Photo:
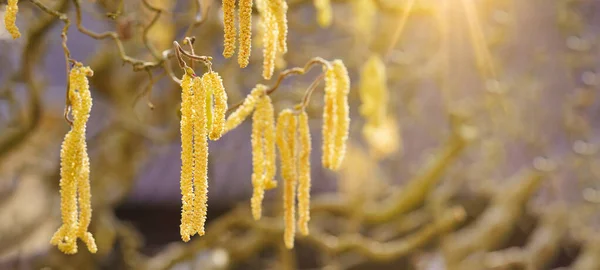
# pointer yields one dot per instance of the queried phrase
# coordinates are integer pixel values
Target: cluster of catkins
(10, 18)
(290, 134)
(203, 107)
(75, 195)
(273, 15)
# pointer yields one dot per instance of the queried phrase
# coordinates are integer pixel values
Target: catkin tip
(245, 15)
(10, 18)
(304, 173)
(229, 27)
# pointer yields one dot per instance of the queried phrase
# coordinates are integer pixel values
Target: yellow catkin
(245, 16)
(304, 173)
(286, 137)
(263, 153)
(270, 32)
(324, 14)
(242, 112)
(229, 27)
(75, 169)
(258, 160)
(279, 10)
(187, 158)
(364, 12)
(329, 118)
(342, 112)
(268, 116)
(373, 91)
(201, 150)
(214, 84)
(10, 18)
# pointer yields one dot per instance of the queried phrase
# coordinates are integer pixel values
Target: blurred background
(473, 142)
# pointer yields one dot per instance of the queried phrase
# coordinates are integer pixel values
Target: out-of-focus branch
(136, 63)
(415, 192)
(492, 228)
(389, 250)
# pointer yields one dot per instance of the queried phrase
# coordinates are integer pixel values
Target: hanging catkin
(229, 27)
(286, 142)
(245, 15)
(342, 113)
(200, 87)
(304, 173)
(10, 18)
(270, 32)
(329, 117)
(75, 169)
(187, 158)
(213, 83)
(279, 10)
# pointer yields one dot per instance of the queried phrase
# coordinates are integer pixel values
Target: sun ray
(482, 53)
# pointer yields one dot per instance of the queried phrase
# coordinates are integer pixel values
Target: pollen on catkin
(10, 18)
(324, 13)
(286, 142)
(229, 27)
(245, 16)
(213, 83)
(201, 149)
(187, 158)
(263, 153)
(279, 10)
(76, 210)
(304, 173)
(268, 115)
(342, 112)
(242, 112)
(270, 32)
(329, 117)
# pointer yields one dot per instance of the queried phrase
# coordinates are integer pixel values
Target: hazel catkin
(76, 210)
(229, 27)
(279, 10)
(201, 150)
(213, 83)
(245, 15)
(329, 117)
(342, 112)
(286, 142)
(304, 172)
(10, 18)
(187, 158)
(270, 32)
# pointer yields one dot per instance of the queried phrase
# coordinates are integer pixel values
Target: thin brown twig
(206, 60)
(310, 90)
(147, 43)
(292, 71)
(190, 41)
(136, 63)
(63, 17)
